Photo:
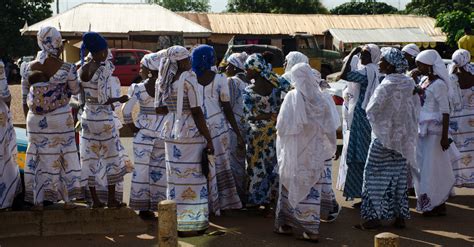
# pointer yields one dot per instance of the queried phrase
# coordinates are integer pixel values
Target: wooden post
(167, 224)
(386, 239)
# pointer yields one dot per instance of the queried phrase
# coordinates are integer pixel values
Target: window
(125, 58)
(140, 55)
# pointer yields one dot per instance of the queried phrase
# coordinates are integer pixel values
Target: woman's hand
(123, 99)
(415, 73)
(445, 143)
(356, 50)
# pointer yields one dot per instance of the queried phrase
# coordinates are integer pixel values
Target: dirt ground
(249, 228)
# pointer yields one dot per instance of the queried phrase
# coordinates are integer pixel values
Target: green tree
(184, 5)
(13, 16)
(434, 7)
(277, 6)
(364, 8)
(453, 23)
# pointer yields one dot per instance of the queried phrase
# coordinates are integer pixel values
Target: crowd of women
(247, 138)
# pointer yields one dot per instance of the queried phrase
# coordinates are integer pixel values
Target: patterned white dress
(462, 129)
(102, 154)
(237, 156)
(149, 175)
(212, 94)
(183, 146)
(10, 183)
(52, 170)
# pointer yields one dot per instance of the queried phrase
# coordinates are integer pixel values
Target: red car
(127, 65)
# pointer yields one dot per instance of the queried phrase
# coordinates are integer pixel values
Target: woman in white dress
(218, 113)
(10, 182)
(433, 174)
(149, 174)
(101, 152)
(235, 71)
(462, 74)
(306, 130)
(52, 170)
(186, 136)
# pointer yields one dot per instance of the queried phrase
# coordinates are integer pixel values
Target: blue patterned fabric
(384, 192)
(359, 141)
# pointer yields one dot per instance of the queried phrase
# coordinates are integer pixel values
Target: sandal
(309, 237)
(116, 205)
(333, 216)
(283, 230)
(98, 205)
(368, 225)
(69, 206)
(38, 207)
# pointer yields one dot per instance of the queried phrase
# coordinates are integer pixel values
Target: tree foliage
(184, 5)
(453, 23)
(277, 6)
(13, 15)
(364, 8)
(434, 7)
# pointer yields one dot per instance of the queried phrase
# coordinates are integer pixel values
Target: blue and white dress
(212, 94)
(52, 170)
(10, 182)
(359, 140)
(149, 175)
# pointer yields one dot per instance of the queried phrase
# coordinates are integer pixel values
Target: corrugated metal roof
(274, 24)
(382, 35)
(120, 19)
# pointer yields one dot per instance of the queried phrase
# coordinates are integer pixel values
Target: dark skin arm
(200, 122)
(444, 138)
(229, 115)
(347, 66)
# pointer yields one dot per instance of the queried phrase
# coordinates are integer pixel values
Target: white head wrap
(461, 59)
(238, 60)
(50, 42)
(431, 57)
(306, 115)
(411, 49)
(293, 58)
(152, 61)
(371, 70)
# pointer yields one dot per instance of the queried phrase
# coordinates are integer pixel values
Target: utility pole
(57, 7)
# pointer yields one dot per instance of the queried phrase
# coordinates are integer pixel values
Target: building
(142, 26)
(330, 31)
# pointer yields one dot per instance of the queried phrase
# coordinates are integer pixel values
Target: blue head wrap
(203, 59)
(396, 58)
(93, 42)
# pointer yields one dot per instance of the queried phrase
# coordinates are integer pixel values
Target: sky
(216, 5)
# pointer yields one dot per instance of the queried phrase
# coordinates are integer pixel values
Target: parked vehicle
(127, 65)
(278, 57)
(22, 144)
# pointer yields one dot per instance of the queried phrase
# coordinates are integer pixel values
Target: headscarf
(93, 42)
(50, 42)
(371, 70)
(411, 49)
(432, 57)
(305, 111)
(257, 63)
(152, 61)
(461, 59)
(395, 57)
(238, 60)
(293, 58)
(203, 58)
